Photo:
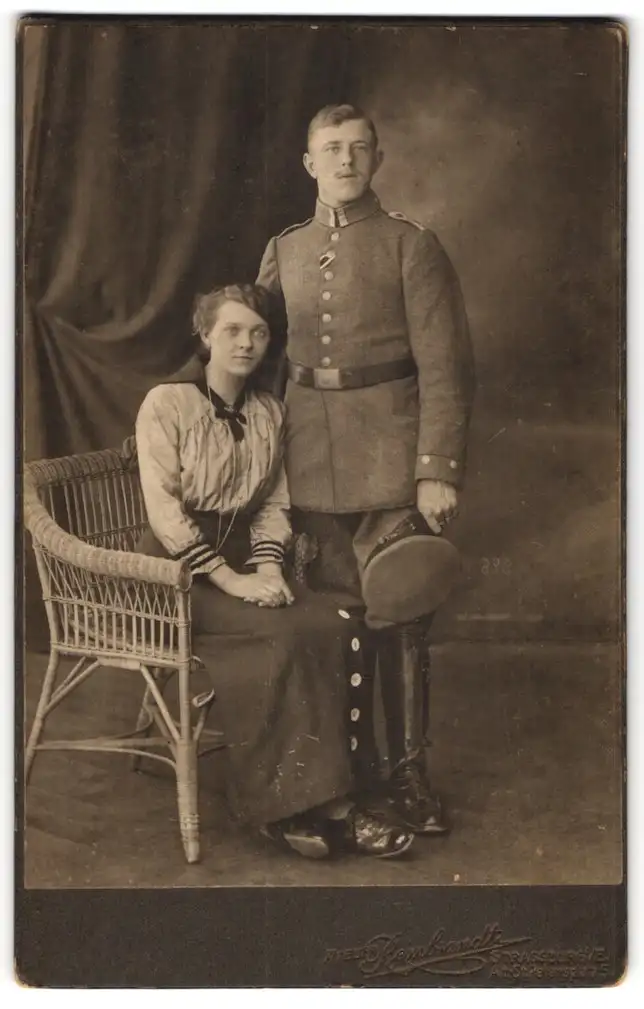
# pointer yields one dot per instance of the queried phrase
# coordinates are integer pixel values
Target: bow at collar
(231, 414)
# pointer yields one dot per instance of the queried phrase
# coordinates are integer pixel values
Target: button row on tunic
(326, 296)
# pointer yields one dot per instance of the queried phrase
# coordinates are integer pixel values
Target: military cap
(409, 573)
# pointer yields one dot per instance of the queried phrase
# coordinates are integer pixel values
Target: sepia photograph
(321, 572)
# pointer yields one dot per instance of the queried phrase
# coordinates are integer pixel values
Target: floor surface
(527, 755)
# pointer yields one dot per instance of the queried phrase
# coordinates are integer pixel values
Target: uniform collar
(349, 214)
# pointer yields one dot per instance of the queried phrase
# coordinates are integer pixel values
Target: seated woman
(210, 456)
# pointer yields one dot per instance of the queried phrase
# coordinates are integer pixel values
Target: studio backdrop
(158, 160)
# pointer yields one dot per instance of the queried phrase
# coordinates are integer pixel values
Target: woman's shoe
(363, 833)
(306, 838)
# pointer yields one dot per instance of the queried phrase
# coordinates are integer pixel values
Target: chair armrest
(98, 560)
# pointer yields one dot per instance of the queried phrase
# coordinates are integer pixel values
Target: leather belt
(351, 378)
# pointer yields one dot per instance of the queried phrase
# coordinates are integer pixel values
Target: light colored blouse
(190, 462)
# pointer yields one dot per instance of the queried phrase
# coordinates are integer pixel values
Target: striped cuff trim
(266, 550)
(209, 566)
(198, 556)
(273, 550)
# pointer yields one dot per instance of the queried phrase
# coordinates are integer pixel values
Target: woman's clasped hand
(261, 588)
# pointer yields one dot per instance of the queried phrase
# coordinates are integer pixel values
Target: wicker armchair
(108, 606)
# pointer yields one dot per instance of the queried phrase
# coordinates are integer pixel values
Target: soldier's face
(238, 341)
(343, 160)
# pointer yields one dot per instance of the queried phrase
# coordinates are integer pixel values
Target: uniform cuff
(200, 558)
(266, 550)
(439, 467)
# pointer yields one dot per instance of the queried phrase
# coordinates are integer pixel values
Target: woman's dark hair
(207, 309)
(259, 300)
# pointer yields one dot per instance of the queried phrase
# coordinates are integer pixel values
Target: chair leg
(144, 717)
(40, 717)
(186, 767)
(187, 794)
(162, 677)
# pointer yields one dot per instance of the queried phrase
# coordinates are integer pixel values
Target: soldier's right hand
(437, 502)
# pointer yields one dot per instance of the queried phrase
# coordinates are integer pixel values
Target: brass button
(326, 317)
(335, 235)
(353, 743)
(355, 714)
(355, 644)
(328, 275)
(326, 338)
(453, 464)
(425, 459)
(326, 296)
(356, 679)
(344, 614)
(325, 362)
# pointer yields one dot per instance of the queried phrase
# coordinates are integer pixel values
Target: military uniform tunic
(364, 287)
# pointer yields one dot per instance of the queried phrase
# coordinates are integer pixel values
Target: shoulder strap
(294, 227)
(399, 216)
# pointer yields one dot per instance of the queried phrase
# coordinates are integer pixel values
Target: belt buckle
(327, 378)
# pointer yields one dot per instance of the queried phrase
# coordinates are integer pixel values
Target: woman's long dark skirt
(281, 678)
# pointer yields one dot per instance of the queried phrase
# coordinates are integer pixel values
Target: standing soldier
(379, 392)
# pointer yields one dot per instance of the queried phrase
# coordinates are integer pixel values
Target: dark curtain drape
(146, 181)
(160, 159)
(147, 154)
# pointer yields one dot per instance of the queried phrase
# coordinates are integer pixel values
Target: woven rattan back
(95, 497)
(85, 514)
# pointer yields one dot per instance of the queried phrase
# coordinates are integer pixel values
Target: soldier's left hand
(437, 502)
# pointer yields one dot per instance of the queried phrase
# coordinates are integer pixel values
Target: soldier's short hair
(334, 115)
(207, 308)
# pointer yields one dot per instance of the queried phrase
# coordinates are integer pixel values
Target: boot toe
(418, 807)
(375, 836)
(427, 824)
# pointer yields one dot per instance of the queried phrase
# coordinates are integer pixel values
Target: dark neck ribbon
(231, 414)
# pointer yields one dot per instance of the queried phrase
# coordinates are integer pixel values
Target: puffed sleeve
(270, 526)
(158, 449)
(440, 342)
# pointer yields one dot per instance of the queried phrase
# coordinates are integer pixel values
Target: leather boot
(403, 664)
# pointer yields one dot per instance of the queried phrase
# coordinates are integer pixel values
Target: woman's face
(238, 341)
